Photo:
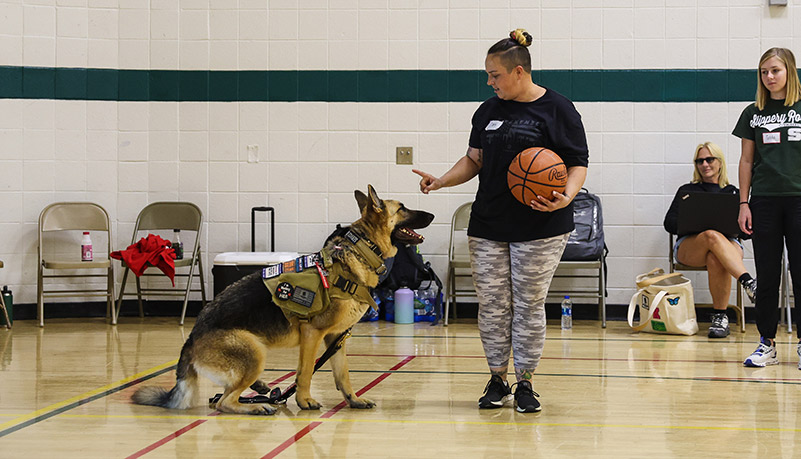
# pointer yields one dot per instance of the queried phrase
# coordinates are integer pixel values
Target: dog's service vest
(305, 286)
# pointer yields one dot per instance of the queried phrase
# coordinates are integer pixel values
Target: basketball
(536, 171)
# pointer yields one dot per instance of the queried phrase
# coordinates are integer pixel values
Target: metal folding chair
(169, 215)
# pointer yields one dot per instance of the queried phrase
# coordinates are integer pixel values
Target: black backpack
(410, 270)
(586, 242)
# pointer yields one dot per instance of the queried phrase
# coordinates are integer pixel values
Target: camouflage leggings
(512, 281)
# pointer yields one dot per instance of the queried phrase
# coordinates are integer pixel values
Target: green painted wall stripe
(725, 85)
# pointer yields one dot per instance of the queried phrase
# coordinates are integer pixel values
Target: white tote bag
(665, 302)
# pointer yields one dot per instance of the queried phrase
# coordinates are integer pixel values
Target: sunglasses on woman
(708, 159)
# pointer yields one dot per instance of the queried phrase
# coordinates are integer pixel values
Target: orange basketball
(536, 171)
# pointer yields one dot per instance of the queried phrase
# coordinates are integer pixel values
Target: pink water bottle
(86, 247)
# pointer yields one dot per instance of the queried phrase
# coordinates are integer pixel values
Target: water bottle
(177, 245)
(427, 297)
(404, 306)
(86, 247)
(567, 313)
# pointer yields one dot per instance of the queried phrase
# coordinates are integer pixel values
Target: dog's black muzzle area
(404, 231)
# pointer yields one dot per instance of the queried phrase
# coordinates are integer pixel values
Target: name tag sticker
(493, 125)
(771, 137)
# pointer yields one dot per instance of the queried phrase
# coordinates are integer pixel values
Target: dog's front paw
(361, 403)
(263, 410)
(308, 403)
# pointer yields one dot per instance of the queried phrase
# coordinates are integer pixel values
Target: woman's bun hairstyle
(513, 51)
(522, 37)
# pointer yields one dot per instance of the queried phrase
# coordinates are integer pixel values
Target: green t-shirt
(776, 132)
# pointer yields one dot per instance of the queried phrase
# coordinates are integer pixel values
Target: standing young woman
(770, 168)
(514, 248)
(722, 256)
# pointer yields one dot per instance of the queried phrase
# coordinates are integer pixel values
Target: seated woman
(722, 256)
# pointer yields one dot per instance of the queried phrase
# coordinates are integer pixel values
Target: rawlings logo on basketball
(536, 172)
(556, 175)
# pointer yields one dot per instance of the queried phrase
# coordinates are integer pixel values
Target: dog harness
(303, 287)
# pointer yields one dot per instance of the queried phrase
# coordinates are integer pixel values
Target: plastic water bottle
(567, 313)
(427, 298)
(8, 300)
(404, 306)
(177, 245)
(86, 247)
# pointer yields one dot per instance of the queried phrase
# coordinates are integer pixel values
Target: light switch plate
(403, 155)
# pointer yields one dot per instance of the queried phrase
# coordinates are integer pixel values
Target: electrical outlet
(403, 155)
(253, 153)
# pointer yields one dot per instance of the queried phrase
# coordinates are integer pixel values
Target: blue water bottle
(567, 313)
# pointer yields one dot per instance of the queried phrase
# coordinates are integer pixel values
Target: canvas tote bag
(665, 302)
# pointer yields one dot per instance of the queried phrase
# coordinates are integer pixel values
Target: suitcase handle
(253, 227)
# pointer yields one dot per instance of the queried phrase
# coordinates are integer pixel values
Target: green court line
(636, 85)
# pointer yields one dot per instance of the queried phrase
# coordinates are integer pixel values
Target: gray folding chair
(166, 216)
(73, 217)
(458, 259)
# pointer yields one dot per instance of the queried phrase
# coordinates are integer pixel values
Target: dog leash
(277, 397)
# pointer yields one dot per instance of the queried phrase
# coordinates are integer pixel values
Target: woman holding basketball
(515, 248)
(770, 169)
(722, 256)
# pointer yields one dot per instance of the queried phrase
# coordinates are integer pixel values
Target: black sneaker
(750, 289)
(496, 393)
(720, 325)
(525, 398)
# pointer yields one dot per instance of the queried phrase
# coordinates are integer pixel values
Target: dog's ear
(362, 199)
(377, 202)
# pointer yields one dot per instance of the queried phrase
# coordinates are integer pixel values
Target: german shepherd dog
(230, 340)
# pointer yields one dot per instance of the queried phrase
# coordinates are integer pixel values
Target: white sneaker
(764, 355)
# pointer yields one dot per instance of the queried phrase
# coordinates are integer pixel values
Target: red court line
(191, 426)
(166, 439)
(313, 425)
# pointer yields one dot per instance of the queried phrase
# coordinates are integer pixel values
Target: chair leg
(448, 293)
(122, 294)
(139, 298)
(110, 296)
(40, 297)
(202, 280)
(5, 312)
(602, 293)
(188, 287)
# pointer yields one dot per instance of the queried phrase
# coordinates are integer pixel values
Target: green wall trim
(682, 85)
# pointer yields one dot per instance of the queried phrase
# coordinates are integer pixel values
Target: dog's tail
(179, 397)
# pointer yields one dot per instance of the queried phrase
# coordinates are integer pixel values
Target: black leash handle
(253, 227)
(277, 397)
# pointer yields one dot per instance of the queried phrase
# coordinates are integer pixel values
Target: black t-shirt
(504, 128)
(671, 222)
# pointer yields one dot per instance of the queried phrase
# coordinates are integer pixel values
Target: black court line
(84, 401)
(793, 382)
(627, 340)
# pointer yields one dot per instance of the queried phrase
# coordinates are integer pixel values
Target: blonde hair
(717, 152)
(793, 86)
(513, 51)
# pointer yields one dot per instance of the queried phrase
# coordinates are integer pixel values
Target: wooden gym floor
(65, 392)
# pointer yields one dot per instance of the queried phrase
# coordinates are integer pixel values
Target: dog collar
(368, 250)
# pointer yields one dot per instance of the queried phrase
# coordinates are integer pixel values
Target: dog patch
(771, 137)
(303, 297)
(284, 291)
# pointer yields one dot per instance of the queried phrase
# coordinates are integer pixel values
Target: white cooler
(229, 267)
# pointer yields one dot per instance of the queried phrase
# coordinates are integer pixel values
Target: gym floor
(66, 388)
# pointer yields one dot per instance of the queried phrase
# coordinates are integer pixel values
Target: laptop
(700, 211)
